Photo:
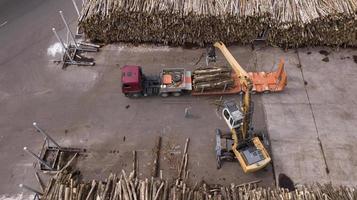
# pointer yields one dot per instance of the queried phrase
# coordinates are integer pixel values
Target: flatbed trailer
(263, 82)
(178, 81)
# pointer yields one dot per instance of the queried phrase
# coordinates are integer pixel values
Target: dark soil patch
(309, 52)
(326, 59)
(355, 58)
(345, 57)
(324, 52)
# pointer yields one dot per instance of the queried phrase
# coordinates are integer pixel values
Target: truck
(178, 81)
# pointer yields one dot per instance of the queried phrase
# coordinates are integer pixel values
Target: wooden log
(156, 160)
(134, 163)
(91, 190)
(226, 83)
(210, 77)
(184, 156)
(211, 71)
(67, 193)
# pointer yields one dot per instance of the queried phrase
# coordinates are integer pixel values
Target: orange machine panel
(269, 82)
(167, 79)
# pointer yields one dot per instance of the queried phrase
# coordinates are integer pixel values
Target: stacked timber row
(197, 22)
(212, 78)
(68, 185)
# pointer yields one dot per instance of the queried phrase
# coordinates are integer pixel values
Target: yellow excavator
(241, 143)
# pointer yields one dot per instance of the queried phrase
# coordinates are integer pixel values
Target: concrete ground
(318, 106)
(107, 117)
(83, 107)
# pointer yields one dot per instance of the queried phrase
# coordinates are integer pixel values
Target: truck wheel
(176, 94)
(135, 95)
(219, 162)
(227, 135)
(165, 94)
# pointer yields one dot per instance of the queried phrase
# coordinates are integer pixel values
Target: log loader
(241, 143)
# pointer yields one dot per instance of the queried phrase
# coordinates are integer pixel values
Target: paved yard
(83, 107)
(318, 104)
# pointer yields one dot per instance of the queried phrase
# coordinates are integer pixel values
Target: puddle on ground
(326, 59)
(286, 182)
(324, 52)
(355, 58)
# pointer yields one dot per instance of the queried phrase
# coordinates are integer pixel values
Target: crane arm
(246, 82)
(231, 60)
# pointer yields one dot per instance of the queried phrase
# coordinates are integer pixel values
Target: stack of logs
(198, 22)
(68, 186)
(212, 78)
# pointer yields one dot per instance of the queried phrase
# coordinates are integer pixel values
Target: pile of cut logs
(212, 78)
(198, 22)
(68, 186)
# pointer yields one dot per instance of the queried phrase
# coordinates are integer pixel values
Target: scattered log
(156, 162)
(68, 185)
(134, 164)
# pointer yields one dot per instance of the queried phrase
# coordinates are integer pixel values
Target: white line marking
(3, 24)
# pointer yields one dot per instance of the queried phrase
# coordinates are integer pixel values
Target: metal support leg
(37, 158)
(75, 7)
(46, 135)
(30, 189)
(225, 87)
(203, 88)
(64, 47)
(68, 29)
(187, 112)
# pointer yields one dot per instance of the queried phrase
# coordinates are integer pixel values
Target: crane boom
(245, 82)
(247, 149)
(231, 60)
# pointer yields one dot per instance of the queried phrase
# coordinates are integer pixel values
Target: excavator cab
(232, 114)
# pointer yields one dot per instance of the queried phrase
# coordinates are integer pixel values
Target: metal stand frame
(72, 52)
(50, 158)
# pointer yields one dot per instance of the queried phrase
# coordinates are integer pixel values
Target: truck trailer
(178, 81)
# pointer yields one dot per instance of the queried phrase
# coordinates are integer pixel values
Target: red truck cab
(131, 79)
